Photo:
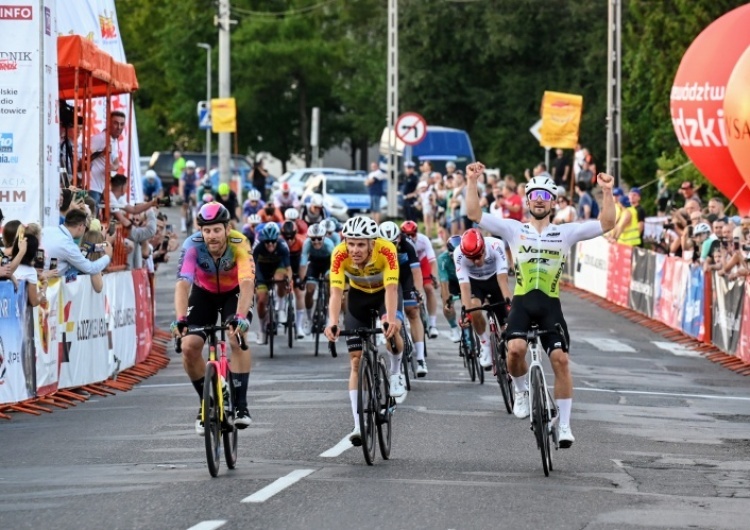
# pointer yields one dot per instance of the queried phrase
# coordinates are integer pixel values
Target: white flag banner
(96, 20)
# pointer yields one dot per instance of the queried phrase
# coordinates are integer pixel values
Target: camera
(163, 201)
(4, 261)
(39, 259)
(165, 243)
(52, 264)
(169, 228)
(668, 226)
(690, 230)
(746, 248)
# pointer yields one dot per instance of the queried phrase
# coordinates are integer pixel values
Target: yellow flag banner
(223, 115)
(561, 118)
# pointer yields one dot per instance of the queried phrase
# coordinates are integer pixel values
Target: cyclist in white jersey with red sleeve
(482, 272)
(428, 264)
(539, 250)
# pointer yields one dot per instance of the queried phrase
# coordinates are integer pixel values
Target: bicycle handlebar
(213, 328)
(533, 333)
(485, 307)
(358, 332)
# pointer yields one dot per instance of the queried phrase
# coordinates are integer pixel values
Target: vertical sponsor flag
(121, 311)
(726, 312)
(692, 312)
(743, 348)
(224, 115)
(592, 266)
(46, 341)
(13, 384)
(561, 119)
(144, 313)
(618, 286)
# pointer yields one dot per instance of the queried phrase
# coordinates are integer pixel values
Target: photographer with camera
(118, 204)
(163, 242)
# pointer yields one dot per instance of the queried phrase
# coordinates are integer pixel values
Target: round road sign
(411, 128)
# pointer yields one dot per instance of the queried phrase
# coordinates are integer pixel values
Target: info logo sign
(6, 142)
(15, 12)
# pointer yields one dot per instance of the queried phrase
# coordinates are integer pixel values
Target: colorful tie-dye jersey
(197, 266)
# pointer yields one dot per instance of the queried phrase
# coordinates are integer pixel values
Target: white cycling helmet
(360, 228)
(316, 200)
(190, 164)
(316, 231)
(701, 228)
(253, 195)
(151, 174)
(389, 231)
(541, 182)
(254, 219)
(330, 225)
(291, 214)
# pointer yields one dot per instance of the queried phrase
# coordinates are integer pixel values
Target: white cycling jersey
(424, 247)
(540, 257)
(290, 201)
(494, 262)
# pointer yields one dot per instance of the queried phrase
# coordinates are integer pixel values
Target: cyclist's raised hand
(474, 170)
(605, 181)
(393, 327)
(332, 332)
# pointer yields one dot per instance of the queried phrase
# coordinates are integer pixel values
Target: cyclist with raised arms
(215, 273)
(314, 263)
(409, 278)
(371, 265)
(428, 264)
(539, 250)
(449, 288)
(482, 272)
(272, 261)
(295, 242)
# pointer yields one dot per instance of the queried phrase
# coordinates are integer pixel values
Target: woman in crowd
(566, 212)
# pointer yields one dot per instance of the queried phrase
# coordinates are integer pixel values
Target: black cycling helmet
(213, 213)
(289, 229)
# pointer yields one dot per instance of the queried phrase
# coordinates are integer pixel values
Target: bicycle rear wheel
(384, 412)
(539, 417)
(229, 431)
(211, 421)
(471, 355)
(406, 357)
(290, 324)
(271, 329)
(501, 372)
(366, 407)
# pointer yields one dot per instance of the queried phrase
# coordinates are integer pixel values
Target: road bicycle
(408, 359)
(468, 348)
(375, 405)
(290, 317)
(544, 412)
(217, 405)
(499, 353)
(320, 315)
(272, 325)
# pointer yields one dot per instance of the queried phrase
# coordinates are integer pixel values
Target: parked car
(297, 178)
(161, 162)
(343, 195)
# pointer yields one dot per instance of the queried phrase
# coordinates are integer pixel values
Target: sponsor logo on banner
(6, 142)
(14, 60)
(47, 21)
(16, 12)
(107, 26)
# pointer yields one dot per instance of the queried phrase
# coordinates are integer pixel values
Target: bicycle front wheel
(229, 431)
(290, 324)
(384, 411)
(211, 419)
(501, 373)
(539, 417)
(406, 357)
(366, 407)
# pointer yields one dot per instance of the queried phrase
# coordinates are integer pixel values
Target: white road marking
(208, 525)
(609, 345)
(670, 394)
(676, 349)
(278, 485)
(337, 449)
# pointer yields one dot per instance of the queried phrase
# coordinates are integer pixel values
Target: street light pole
(207, 47)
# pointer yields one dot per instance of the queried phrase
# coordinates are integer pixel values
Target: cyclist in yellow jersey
(371, 266)
(539, 250)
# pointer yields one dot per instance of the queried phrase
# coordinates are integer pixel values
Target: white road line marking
(337, 449)
(208, 525)
(670, 394)
(609, 345)
(278, 485)
(675, 349)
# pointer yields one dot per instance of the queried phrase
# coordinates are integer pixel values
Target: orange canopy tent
(79, 62)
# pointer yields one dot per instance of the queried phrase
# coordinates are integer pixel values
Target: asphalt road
(662, 440)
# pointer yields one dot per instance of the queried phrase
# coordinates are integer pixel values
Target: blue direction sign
(204, 115)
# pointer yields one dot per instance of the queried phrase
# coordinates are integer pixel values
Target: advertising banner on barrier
(726, 311)
(592, 262)
(643, 267)
(659, 263)
(119, 300)
(618, 286)
(13, 379)
(668, 305)
(143, 313)
(743, 348)
(47, 346)
(85, 335)
(692, 312)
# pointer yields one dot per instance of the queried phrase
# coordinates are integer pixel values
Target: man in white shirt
(59, 242)
(118, 201)
(98, 147)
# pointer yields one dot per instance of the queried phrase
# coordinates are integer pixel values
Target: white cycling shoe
(521, 406)
(565, 436)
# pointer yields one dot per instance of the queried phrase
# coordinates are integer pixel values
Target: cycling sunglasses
(535, 195)
(316, 239)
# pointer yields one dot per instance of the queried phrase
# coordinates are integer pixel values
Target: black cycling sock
(198, 385)
(240, 388)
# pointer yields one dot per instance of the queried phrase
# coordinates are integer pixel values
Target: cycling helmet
(289, 229)
(316, 230)
(270, 232)
(330, 225)
(291, 214)
(213, 213)
(253, 195)
(285, 187)
(541, 182)
(207, 197)
(701, 228)
(472, 243)
(389, 230)
(409, 228)
(254, 219)
(316, 200)
(151, 174)
(453, 242)
(223, 188)
(190, 164)
(360, 227)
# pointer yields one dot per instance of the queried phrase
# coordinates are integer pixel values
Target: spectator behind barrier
(31, 268)
(163, 242)
(60, 244)
(143, 228)
(118, 201)
(9, 264)
(93, 244)
(566, 212)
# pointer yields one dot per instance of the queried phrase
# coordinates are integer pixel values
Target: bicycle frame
(535, 348)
